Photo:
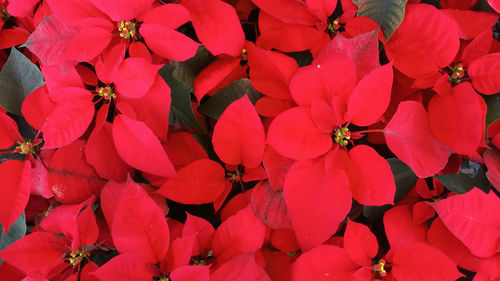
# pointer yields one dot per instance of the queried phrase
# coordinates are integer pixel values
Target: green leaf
(493, 104)
(302, 58)
(461, 183)
(388, 13)
(16, 231)
(186, 71)
(458, 183)
(180, 108)
(18, 78)
(404, 178)
(223, 98)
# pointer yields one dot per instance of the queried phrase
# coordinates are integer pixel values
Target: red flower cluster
(249, 140)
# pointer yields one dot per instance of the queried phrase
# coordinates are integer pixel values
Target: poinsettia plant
(249, 140)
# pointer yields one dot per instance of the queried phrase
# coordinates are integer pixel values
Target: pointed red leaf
(324, 262)
(330, 75)
(37, 107)
(101, 153)
(269, 206)
(213, 74)
(118, 10)
(139, 226)
(179, 253)
(50, 39)
(276, 167)
(190, 273)
(124, 267)
(239, 136)
(131, 85)
(15, 190)
(409, 136)
(37, 252)
(426, 41)
(485, 74)
(294, 134)
(88, 43)
(270, 72)
(204, 232)
(370, 177)
(140, 148)
(242, 268)
(492, 161)
(469, 217)
(288, 11)
(360, 243)
(67, 122)
(182, 148)
(200, 182)
(70, 177)
(399, 227)
(179, 48)
(316, 211)
(10, 132)
(21, 8)
(363, 49)
(240, 233)
(217, 26)
(370, 98)
(458, 119)
(419, 261)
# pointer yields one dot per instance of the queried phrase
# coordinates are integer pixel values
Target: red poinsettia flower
(70, 232)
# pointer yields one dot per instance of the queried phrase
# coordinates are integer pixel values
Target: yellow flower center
(379, 267)
(342, 136)
(78, 256)
(244, 55)
(127, 29)
(106, 92)
(25, 147)
(457, 74)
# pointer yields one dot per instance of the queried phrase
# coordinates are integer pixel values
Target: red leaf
(10, 37)
(39, 180)
(362, 49)
(419, 261)
(213, 74)
(140, 148)
(179, 48)
(190, 273)
(124, 267)
(179, 253)
(370, 177)
(88, 43)
(426, 41)
(469, 217)
(139, 226)
(269, 206)
(241, 268)
(217, 26)
(101, 153)
(131, 85)
(294, 134)
(38, 252)
(240, 233)
(360, 243)
(316, 80)
(182, 148)
(471, 22)
(70, 177)
(10, 132)
(200, 182)
(239, 136)
(50, 39)
(204, 232)
(316, 211)
(21, 8)
(492, 161)
(288, 12)
(15, 190)
(408, 135)
(399, 227)
(324, 262)
(37, 107)
(458, 119)
(485, 74)
(270, 72)
(67, 122)
(118, 10)
(370, 98)
(276, 167)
